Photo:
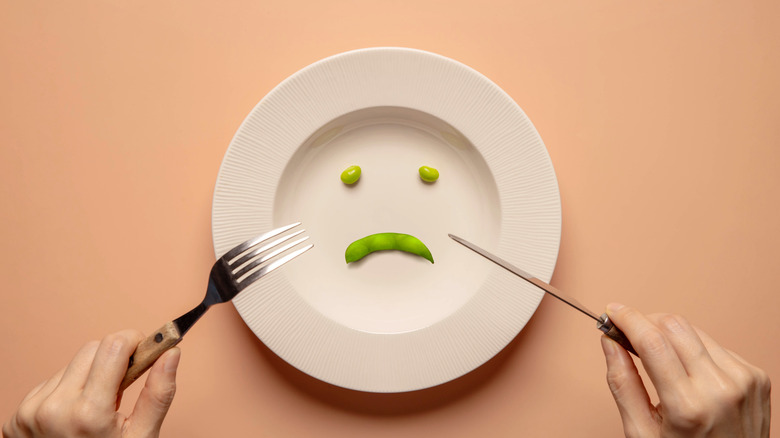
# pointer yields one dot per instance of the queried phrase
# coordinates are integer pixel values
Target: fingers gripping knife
(232, 273)
(603, 322)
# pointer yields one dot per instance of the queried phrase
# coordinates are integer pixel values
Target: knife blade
(603, 322)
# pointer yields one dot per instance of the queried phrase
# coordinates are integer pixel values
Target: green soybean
(350, 175)
(428, 174)
(386, 241)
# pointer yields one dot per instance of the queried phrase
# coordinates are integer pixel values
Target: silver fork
(232, 273)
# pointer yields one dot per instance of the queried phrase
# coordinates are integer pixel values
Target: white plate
(391, 322)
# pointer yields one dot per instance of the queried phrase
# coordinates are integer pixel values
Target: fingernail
(613, 307)
(172, 362)
(608, 345)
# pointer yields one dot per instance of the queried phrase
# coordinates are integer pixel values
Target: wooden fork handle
(149, 350)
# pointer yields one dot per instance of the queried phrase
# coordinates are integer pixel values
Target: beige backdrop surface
(661, 119)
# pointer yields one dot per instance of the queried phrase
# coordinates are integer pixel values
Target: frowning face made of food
(386, 241)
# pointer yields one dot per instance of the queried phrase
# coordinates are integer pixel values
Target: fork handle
(149, 350)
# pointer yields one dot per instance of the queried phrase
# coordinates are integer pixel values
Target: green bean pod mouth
(386, 241)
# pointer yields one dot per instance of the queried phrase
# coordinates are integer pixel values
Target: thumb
(156, 397)
(637, 412)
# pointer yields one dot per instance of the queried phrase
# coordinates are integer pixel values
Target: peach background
(661, 119)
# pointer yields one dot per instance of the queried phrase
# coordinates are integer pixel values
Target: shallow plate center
(389, 291)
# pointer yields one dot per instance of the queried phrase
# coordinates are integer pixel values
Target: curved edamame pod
(386, 241)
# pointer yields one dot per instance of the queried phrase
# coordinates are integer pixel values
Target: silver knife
(603, 322)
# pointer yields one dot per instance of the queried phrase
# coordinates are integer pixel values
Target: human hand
(703, 388)
(83, 398)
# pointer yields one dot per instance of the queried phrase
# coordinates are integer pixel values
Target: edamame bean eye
(386, 241)
(350, 175)
(428, 174)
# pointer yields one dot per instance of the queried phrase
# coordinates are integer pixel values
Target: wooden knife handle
(149, 350)
(614, 333)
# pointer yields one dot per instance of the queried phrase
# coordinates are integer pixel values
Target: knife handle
(614, 333)
(149, 350)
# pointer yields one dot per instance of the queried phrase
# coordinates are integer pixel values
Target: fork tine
(253, 252)
(251, 278)
(265, 257)
(235, 252)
